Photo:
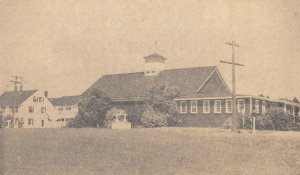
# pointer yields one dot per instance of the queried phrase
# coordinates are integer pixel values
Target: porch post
(250, 110)
(294, 114)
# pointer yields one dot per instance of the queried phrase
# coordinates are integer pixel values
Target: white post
(243, 113)
(284, 107)
(250, 105)
(253, 127)
(294, 114)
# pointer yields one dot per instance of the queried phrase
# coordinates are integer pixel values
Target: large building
(27, 109)
(206, 99)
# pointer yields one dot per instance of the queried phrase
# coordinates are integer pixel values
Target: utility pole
(233, 63)
(15, 82)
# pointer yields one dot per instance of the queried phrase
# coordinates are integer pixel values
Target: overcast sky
(64, 46)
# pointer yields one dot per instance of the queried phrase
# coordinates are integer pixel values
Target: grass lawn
(148, 151)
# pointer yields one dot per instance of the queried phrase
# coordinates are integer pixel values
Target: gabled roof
(65, 100)
(130, 85)
(15, 98)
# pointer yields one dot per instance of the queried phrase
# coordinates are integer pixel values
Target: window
(256, 106)
(60, 109)
(206, 108)
(41, 99)
(68, 108)
(30, 121)
(3, 109)
(263, 107)
(43, 110)
(12, 109)
(241, 105)
(217, 106)
(183, 107)
(31, 109)
(194, 109)
(228, 106)
(35, 99)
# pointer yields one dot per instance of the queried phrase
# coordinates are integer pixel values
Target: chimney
(21, 88)
(46, 94)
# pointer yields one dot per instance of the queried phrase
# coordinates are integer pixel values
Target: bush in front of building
(160, 106)
(92, 110)
(274, 119)
(151, 118)
(1, 121)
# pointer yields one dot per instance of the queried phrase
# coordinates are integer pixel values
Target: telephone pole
(15, 81)
(233, 63)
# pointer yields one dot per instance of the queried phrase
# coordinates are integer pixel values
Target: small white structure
(119, 119)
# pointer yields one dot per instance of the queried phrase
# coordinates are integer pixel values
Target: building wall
(37, 116)
(214, 87)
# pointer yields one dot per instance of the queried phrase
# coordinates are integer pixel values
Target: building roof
(134, 85)
(65, 100)
(12, 98)
(155, 55)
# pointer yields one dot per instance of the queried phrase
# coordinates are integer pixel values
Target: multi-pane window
(30, 121)
(43, 110)
(68, 108)
(3, 109)
(228, 106)
(41, 99)
(183, 107)
(206, 108)
(194, 107)
(263, 106)
(256, 106)
(31, 109)
(35, 99)
(60, 109)
(217, 106)
(241, 105)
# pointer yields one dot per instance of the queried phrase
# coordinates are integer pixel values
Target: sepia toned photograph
(150, 87)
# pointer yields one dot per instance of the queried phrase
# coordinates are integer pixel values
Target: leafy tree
(92, 110)
(160, 106)
(151, 118)
(261, 95)
(1, 121)
(295, 100)
(274, 119)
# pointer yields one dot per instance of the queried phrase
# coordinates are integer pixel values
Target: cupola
(154, 63)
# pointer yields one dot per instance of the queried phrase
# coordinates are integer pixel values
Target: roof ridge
(126, 73)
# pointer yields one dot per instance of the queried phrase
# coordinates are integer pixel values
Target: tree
(274, 119)
(92, 110)
(1, 121)
(295, 100)
(160, 106)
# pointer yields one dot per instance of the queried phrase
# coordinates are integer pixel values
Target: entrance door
(42, 123)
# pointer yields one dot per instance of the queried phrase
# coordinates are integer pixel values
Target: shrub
(151, 118)
(274, 119)
(1, 121)
(92, 110)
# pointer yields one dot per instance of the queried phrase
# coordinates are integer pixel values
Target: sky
(64, 46)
